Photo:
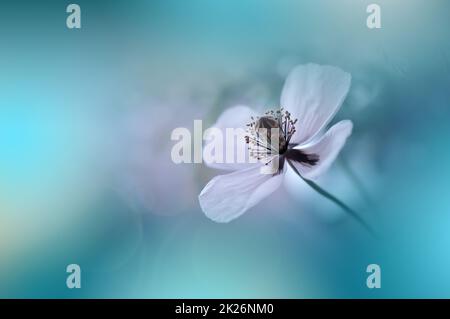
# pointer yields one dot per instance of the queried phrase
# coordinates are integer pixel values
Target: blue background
(85, 169)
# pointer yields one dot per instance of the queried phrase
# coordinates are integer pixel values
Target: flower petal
(235, 118)
(313, 94)
(226, 197)
(327, 148)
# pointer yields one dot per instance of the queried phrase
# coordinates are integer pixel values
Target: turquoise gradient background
(85, 169)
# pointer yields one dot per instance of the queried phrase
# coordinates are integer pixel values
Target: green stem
(331, 197)
(355, 179)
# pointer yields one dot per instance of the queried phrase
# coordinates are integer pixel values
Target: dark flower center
(269, 136)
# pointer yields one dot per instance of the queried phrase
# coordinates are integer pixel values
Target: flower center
(270, 134)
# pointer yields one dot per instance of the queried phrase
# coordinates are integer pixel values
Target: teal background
(85, 169)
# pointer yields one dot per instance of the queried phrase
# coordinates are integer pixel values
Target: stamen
(260, 145)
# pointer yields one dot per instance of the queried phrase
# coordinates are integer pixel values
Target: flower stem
(356, 180)
(331, 197)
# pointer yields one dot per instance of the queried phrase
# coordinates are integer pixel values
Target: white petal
(236, 118)
(313, 94)
(327, 148)
(226, 197)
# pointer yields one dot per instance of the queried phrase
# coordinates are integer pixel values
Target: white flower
(311, 97)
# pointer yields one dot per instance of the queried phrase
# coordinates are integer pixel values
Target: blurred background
(86, 175)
